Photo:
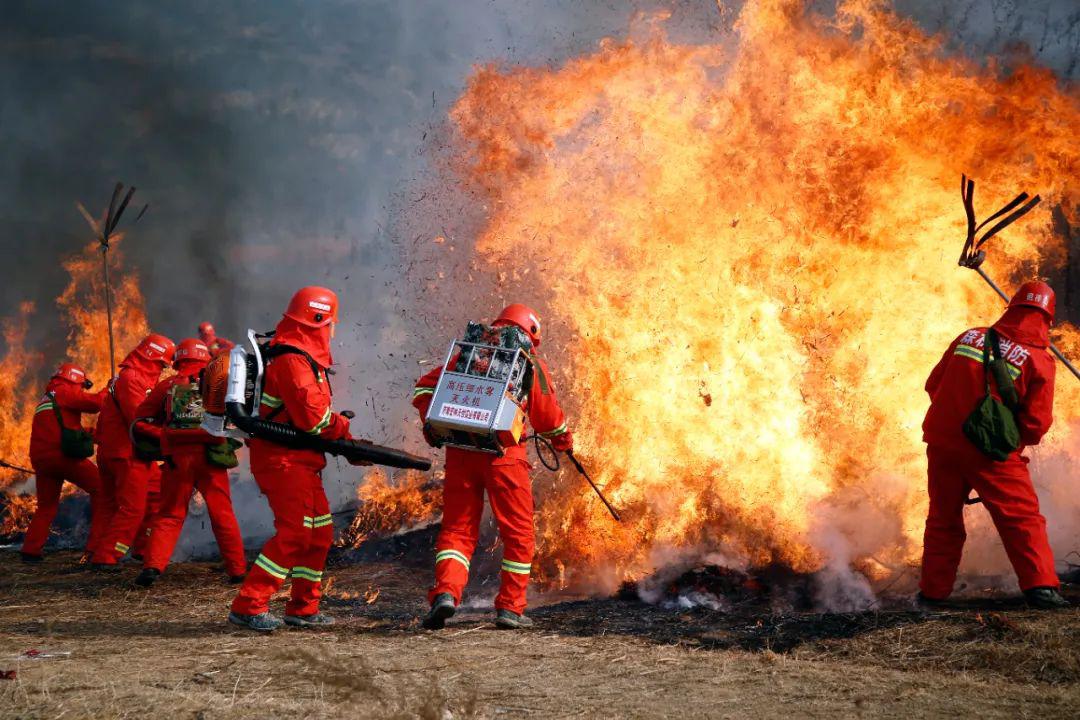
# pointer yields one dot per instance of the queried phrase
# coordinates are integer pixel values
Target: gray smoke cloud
(290, 143)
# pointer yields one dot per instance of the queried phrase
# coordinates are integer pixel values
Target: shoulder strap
(112, 394)
(56, 409)
(992, 345)
(282, 349)
(277, 350)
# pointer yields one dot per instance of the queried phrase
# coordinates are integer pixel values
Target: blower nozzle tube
(351, 450)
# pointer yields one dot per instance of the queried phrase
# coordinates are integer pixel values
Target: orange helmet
(156, 347)
(313, 306)
(206, 330)
(1036, 294)
(524, 317)
(192, 350)
(71, 372)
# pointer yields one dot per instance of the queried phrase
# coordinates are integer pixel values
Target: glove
(564, 442)
(429, 436)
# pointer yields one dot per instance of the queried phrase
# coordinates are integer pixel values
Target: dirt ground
(121, 652)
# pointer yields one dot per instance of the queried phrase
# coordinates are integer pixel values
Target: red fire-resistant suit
(296, 394)
(129, 486)
(52, 467)
(187, 469)
(955, 466)
(509, 490)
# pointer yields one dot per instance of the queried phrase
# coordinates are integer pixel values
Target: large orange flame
(750, 248)
(23, 372)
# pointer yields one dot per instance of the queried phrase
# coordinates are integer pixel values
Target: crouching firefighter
(296, 392)
(194, 460)
(991, 395)
(60, 450)
(496, 365)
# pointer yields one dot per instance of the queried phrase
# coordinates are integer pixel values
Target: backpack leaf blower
(231, 388)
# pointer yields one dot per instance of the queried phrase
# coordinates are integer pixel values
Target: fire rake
(16, 468)
(105, 231)
(972, 256)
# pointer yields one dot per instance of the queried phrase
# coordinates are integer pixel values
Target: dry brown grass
(169, 652)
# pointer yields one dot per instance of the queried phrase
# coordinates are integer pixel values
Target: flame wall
(750, 249)
(24, 372)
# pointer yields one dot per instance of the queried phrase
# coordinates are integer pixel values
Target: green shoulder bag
(991, 426)
(77, 444)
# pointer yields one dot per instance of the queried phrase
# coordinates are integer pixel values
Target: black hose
(351, 450)
(543, 442)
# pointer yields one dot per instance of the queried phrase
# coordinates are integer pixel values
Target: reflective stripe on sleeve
(561, 430)
(323, 424)
(418, 391)
(322, 521)
(43, 407)
(270, 401)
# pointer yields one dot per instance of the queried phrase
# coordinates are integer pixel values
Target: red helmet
(156, 347)
(313, 306)
(524, 317)
(1036, 294)
(206, 330)
(71, 372)
(192, 350)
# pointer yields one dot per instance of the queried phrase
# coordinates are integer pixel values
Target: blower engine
(231, 388)
(480, 397)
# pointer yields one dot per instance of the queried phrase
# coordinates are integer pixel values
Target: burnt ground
(122, 651)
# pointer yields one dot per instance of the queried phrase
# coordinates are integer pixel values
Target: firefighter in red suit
(66, 398)
(509, 489)
(209, 336)
(296, 391)
(956, 466)
(127, 481)
(195, 460)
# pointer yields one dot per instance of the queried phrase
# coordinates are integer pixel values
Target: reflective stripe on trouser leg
(165, 527)
(517, 568)
(131, 489)
(510, 495)
(214, 487)
(307, 572)
(288, 490)
(153, 504)
(463, 506)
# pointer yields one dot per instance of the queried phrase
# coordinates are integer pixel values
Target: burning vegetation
(23, 371)
(751, 248)
(409, 500)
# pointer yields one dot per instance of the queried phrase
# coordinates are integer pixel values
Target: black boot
(1045, 598)
(30, 558)
(442, 609)
(147, 577)
(926, 603)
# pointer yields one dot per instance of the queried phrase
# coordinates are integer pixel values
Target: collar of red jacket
(314, 341)
(1025, 325)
